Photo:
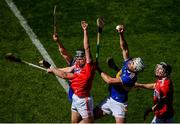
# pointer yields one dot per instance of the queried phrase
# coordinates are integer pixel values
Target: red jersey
(164, 93)
(82, 80)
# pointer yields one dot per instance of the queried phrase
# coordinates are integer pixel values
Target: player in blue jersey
(116, 103)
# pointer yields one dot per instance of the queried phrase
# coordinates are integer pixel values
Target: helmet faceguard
(80, 53)
(80, 57)
(163, 69)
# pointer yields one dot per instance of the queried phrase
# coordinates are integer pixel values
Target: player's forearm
(87, 47)
(61, 48)
(145, 86)
(86, 42)
(64, 53)
(58, 72)
(123, 43)
(67, 69)
(110, 80)
(60, 45)
(105, 77)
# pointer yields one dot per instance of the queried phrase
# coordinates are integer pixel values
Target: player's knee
(98, 113)
(88, 120)
(75, 117)
(119, 120)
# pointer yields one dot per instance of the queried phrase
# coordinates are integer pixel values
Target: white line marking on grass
(34, 39)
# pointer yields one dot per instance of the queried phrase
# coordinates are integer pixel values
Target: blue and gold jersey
(119, 92)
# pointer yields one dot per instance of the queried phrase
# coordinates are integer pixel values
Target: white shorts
(113, 107)
(84, 106)
(158, 120)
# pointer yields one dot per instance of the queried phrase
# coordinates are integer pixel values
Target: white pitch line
(34, 39)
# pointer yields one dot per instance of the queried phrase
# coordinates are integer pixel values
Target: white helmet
(138, 62)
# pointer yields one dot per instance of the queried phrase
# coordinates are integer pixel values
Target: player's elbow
(87, 48)
(109, 80)
(62, 74)
(62, 52)
(123, 46)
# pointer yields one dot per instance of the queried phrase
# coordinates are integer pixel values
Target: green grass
(30, 95)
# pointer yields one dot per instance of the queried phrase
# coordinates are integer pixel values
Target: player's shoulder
(87, 65)
(127, 60)
(167, 81)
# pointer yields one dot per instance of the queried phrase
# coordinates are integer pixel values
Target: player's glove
(146, 112)
(44, 63)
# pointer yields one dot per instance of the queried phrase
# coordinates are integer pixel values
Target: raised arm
(62, 50)
(123, 43)
(84, 26)
(108, 79)
(150, 86)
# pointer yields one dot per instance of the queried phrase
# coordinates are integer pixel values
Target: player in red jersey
(69, 60)
(81, 82)
(163, 94)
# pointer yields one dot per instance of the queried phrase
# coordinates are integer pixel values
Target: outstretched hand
(120, 28)
(137, 85)
(50, 70)
(44, 63)
(84, 25)
(55, 37)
